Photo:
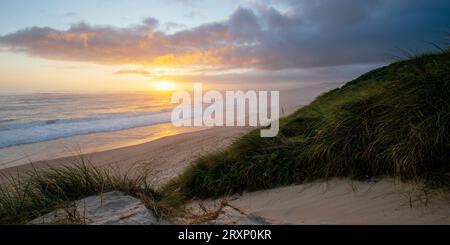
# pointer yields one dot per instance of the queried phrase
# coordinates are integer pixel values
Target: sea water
(37, 117)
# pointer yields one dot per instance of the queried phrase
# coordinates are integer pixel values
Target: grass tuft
(38, 192)
(393, 121)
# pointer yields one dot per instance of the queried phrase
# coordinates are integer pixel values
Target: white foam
(39, 131)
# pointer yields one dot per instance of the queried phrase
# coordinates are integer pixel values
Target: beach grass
(393, 121)
(38, 192)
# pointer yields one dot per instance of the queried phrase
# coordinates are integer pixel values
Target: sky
(127, 45)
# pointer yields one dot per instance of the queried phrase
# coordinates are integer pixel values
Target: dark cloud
(151, 22)
(310, 76)
(329, 14)
(309, 34)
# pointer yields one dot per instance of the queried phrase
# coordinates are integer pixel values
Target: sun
(164, 86)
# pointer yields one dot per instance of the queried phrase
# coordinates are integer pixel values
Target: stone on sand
(113, 208)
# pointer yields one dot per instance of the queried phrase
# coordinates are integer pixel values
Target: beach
(166, 156)
(167, 151)
(86, 144)
(320, 203)
(187, 114)
(42, 134)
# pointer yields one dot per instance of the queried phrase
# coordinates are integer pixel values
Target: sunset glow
(163, 86)
(134, 111)
(117, 46)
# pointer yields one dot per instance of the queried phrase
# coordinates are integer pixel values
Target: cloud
(169, 26)
(305, 34)
(132, 72)
(309, 76)
(151, 22)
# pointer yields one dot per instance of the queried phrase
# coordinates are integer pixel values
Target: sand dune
(347, 202)
(334, 202)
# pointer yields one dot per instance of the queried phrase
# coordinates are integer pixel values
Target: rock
(113, 208)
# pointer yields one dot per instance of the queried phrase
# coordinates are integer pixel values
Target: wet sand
(166, 156)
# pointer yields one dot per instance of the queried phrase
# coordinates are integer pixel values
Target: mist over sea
(36, 117)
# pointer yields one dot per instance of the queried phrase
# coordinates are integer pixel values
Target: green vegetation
(39, 192)
(393, 121)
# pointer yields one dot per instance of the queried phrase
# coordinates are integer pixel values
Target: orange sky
(134, 45)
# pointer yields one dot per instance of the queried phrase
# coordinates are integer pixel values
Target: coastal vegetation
(37, 192)
(391, 122)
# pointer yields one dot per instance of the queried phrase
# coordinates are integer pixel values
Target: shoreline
(338, 201)
(24, 154)
(15, 156)
(166, 156)
(116, 144)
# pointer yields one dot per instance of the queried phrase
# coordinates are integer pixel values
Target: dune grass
(393, 121)
(38, 192)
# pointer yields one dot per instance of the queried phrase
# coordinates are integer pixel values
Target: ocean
(37, 117)
(40, 126)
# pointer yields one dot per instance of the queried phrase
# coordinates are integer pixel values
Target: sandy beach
(333, 202)
(210, 117)
(166, 156)
(87, 144)
(108, 142)
(167, 152)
